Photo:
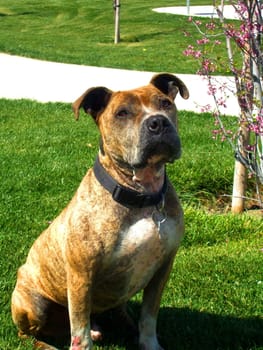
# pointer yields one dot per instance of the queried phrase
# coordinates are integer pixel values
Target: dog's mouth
(150, 178)
(166, 150)
(159, 143)
(156, 153)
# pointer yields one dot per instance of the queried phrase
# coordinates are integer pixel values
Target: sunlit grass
(82, 32)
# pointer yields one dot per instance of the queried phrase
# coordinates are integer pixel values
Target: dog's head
(138, 127)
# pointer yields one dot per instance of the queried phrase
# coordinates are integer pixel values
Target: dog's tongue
(149, 178)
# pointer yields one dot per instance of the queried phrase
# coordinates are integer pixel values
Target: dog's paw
(95, 332)
(96, 335)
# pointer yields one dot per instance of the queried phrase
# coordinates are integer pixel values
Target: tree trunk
(117, 21)
(240, 174)
(239, 188)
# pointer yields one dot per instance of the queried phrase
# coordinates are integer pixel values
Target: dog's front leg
(150, 308)
(79, 305)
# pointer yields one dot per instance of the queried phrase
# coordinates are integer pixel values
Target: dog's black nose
(157, 124)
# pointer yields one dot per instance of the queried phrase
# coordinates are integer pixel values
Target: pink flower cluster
(203, 41)
(257, 125)
(202, 48)
(241, 36)
(191, 51)
(223, 133)
(211, 26)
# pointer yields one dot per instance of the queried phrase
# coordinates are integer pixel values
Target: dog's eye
(165, 104)
(122, 113)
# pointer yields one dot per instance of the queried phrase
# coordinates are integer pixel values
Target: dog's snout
(157, 124)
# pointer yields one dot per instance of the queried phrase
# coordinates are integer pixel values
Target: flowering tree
(244, 62)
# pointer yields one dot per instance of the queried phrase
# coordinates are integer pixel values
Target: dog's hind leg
(39, 317)
(28, 311)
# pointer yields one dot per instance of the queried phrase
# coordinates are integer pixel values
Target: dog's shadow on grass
(183, 329)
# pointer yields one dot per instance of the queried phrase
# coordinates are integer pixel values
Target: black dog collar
(124, 195)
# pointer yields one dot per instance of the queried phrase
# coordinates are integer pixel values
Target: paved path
(58, 82)
(200, 11)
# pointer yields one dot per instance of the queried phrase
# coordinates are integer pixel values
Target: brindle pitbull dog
(120, 232)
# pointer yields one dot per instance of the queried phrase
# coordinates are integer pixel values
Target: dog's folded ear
(169, 84)
(93, 101)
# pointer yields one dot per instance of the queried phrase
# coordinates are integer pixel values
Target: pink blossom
(189, 51)
(223, 87)
(197, 54)
(202, 41)
(256, 128)
(250, 148)
(210, 26)
(216, 122)
(212, 89)
(242, 9)
(206, 108)
(215, 133)
(249, 85)
(259, 119)
(207, 66)
(221, 102)
(216, 114)
(230, 32)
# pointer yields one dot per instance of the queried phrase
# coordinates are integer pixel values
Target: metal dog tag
(159, 217)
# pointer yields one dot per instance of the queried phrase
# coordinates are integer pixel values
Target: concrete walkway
(58, 82)
(200, 11)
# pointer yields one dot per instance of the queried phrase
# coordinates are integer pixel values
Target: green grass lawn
(82, 32)
(214, 297)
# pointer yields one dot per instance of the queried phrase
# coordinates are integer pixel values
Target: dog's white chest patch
(144, 231)
(142, 249)
(148, 232)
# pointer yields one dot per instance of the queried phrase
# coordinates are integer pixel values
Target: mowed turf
(82, 32)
